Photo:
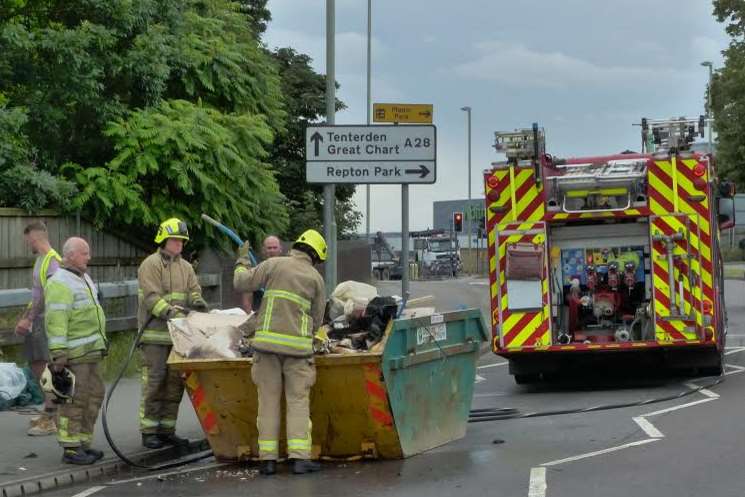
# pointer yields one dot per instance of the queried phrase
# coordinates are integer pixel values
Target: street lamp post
(709, 64)
(369, 66)
(467, 109)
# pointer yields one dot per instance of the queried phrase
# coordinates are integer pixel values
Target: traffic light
(458, 222)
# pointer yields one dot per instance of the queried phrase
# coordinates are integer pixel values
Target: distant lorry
(611, 257)
(440, 255)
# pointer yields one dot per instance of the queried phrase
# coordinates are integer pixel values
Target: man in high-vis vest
(168, 289)
(31, 324)
(291, 310)
(76, 329)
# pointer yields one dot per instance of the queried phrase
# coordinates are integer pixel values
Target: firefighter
(76, 331)
(31, 324)
(168, 288)
(292, 308)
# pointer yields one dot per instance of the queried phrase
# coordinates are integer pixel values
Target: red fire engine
(607, 255)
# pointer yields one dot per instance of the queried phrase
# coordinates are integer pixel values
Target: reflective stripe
(174, 296)
(64, 436)
(157, 336)
(282, 294)
(168, 423)
(82, 341)
(58, 307)
(268, 312)
(300, 343)
(298, 444)
(241, 269)
(304, 325)
(160, 306)
(55, 340)
(268, 445)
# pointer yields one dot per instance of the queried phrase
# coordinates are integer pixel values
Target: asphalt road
(691, 446)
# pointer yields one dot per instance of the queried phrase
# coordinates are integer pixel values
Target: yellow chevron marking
(493, 264)
(528, 330)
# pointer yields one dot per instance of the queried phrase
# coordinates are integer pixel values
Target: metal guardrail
(17, 298)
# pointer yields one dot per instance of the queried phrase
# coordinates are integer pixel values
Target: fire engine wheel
(526, 379)
(717, 368)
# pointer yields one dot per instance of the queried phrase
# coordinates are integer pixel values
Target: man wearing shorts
(31, 324)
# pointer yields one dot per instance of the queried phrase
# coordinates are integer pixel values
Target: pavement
(23, 456)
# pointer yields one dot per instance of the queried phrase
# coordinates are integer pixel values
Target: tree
(22, 184)
(304, 93)
(153, 107)
(728, 93)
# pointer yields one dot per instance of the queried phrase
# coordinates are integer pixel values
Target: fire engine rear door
(523, 289)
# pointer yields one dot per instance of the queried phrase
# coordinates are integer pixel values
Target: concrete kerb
(56, 480)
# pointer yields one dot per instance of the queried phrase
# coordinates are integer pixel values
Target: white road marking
(90, 491)
(675, 408)
(703, 391)
(176, 472)
(494, 365)
(489, 394)
(479, 379)
(478, 283)
(537, 486)
(737, 369)
(648, 427)
(601, 452)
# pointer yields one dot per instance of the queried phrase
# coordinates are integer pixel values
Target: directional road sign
(371, 154)
(402, 113)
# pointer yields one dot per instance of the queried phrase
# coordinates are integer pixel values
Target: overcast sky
(584, 69)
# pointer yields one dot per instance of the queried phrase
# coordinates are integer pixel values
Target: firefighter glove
(175, 311)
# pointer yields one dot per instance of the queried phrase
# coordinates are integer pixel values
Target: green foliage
(21, 183)
(304, 92)
(154, 108)
(728, 94)
(181, 159)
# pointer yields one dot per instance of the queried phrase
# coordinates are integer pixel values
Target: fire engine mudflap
(606, 259)
(413, 395)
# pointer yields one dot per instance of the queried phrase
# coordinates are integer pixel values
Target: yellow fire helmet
(172, 228)
(314, 240)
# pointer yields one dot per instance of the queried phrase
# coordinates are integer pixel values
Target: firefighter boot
(78, 455)
(173, 439)
(152, 441)
(268, 468)
(302, 466)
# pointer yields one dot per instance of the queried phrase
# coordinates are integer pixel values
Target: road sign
(402, 113)
(371, 154)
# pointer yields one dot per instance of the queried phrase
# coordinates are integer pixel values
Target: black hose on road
(104, 421)
(498, 414)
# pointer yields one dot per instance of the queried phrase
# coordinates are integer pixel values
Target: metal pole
(369, 68)
(709, 113)
(329, 191)
(405, 242)
(468, 210)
